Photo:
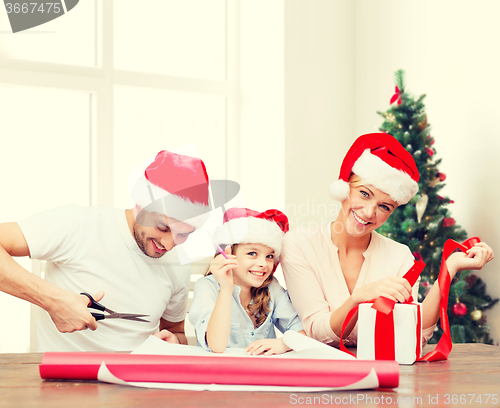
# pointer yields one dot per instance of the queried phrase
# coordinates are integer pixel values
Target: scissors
(112, 315)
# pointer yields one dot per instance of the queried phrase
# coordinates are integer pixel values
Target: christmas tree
(425, 223)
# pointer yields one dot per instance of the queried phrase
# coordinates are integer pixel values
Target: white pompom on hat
(380, 160)
(245, 226)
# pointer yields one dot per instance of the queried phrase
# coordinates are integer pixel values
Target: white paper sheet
(104, 375)
(303, 347)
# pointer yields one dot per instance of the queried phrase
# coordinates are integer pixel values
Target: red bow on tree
(396, 96)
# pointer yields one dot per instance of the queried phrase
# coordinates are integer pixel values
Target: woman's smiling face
(366, 209)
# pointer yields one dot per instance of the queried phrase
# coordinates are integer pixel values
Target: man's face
(157, 234)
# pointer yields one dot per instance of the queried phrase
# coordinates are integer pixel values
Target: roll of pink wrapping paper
(213, 370)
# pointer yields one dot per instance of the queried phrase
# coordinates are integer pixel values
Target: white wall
(261, 105)
(319, 102)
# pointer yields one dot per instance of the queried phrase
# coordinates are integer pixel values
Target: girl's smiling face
(255, 264)
(366, 209)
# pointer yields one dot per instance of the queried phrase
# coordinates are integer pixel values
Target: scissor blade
(128, 316)
(135, 318)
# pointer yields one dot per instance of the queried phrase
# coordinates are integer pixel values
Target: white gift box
(406, 344)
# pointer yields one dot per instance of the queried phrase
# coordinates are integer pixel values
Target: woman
(346, 262)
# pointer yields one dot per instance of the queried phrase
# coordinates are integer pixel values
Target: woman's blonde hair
(260, 295)
(355, 181)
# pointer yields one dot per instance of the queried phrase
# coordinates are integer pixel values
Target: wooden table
(471, 369)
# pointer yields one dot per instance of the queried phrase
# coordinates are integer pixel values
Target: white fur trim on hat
(154, 199)
(339, 190)
(250, 230)
(373, 170)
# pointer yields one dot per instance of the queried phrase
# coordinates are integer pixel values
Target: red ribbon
(384, 336)
(443, 348)
(396, 96)
(418, 349)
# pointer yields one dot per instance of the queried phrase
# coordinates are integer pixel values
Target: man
(125, 254)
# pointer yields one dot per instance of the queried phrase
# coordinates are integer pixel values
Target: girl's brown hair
(260, 295)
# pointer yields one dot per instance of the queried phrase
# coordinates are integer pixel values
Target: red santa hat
(175, 185)
(380, 160)
(244, 226)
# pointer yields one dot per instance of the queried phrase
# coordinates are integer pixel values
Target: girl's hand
(267, 346)
(393, 287)
(474, 258)
(222, 268)
(167, 336)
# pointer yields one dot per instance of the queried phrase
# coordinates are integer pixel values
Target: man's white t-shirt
(89, 249)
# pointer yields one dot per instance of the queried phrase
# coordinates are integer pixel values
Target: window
(87, 96)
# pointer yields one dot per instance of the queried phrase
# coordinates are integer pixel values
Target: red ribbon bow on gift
(384, 326)
(396, 96)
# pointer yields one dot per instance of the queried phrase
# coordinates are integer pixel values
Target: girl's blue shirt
(281, 314)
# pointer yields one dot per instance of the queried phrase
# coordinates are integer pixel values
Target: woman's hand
(222, 269)
(474, 259)
(267, 347)
(392, 287)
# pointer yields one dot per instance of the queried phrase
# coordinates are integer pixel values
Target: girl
(344, 263)
(239, 302)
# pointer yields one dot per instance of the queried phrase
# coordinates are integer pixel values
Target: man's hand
(167, 336)
(69, 312)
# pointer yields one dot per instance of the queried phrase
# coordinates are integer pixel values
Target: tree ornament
(448, 222)
(423, 124)
(426, 287)
(434, 182)
(421, 205)
(429, 151)
(471, 280)
(459, 309)
(476, 315)
(396, 97)
(441, 176)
